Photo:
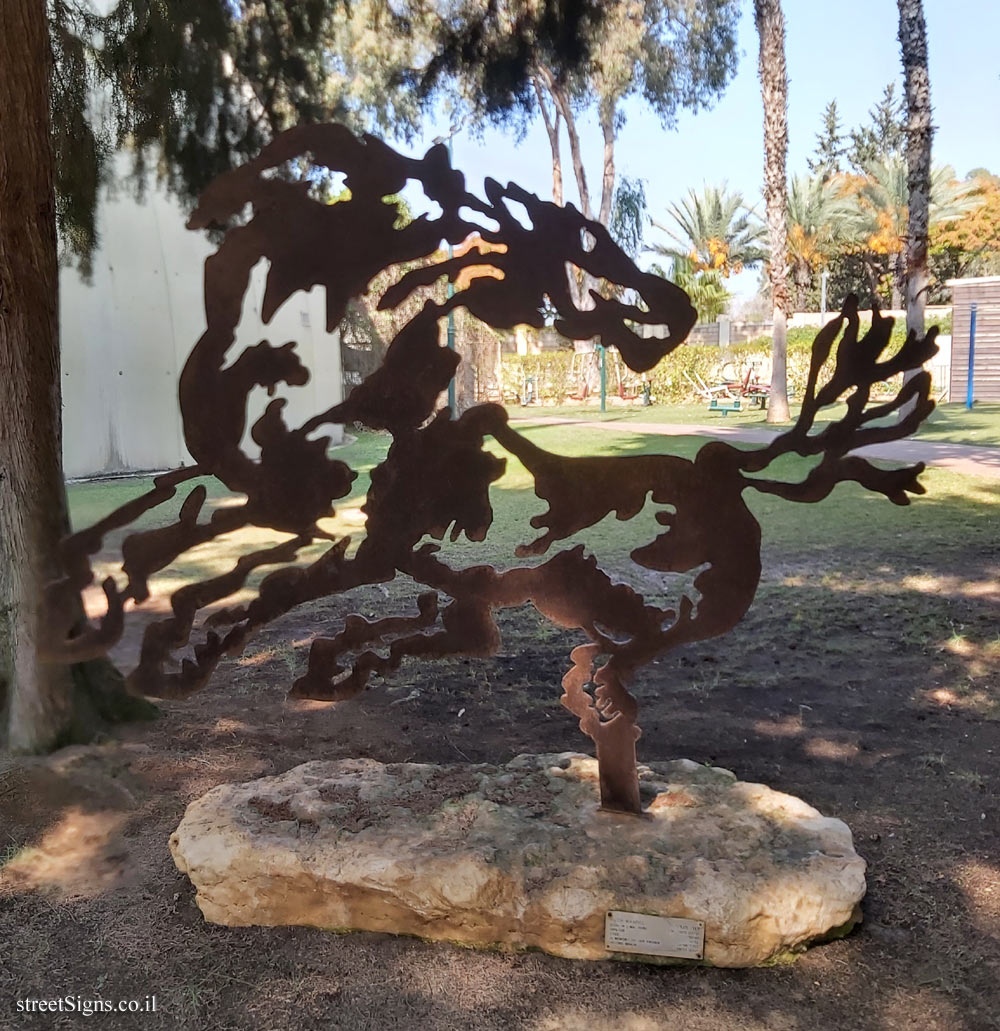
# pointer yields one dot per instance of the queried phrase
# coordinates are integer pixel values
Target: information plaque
(654, 935)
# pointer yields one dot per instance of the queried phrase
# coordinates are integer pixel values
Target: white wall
(126, 334)
(809, 319)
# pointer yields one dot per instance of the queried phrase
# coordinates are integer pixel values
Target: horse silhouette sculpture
(437, 474)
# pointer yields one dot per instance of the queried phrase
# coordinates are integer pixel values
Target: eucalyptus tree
(628, 214)
(715, 230)
(770, 22)
(670, 54)
(196, 86)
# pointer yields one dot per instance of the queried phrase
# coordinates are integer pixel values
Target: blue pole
(970, 386)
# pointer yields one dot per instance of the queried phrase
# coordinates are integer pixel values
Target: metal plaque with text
(654, 935)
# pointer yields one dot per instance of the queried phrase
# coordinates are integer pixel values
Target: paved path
(960, 458)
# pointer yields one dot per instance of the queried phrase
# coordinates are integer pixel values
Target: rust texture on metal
(436, 477)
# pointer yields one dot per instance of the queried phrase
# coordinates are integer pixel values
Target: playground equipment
(595, 370)
(733, 395)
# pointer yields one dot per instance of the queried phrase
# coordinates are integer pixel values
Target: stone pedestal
(520, 856)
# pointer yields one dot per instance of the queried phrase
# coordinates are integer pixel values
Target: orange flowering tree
(970, 245)
(882, 198)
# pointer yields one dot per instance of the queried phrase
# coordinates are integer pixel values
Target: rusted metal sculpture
(436, 476)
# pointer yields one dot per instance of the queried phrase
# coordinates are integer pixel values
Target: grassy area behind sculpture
(436, 476)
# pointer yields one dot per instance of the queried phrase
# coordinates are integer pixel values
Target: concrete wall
(932, 313)
(126, 334)
(736, 332)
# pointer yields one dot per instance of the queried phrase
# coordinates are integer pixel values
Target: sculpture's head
(543, 261)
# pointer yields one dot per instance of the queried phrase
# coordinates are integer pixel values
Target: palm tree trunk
(917, 85)
(802, 279)
(774, 90)
(898, 277)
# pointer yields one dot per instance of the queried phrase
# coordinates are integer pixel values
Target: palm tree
(770, 23)
(714, 230)
(704, 286)
(883, 214)
(917, 87)
(821, 216)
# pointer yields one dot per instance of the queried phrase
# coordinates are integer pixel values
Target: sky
(846, 51)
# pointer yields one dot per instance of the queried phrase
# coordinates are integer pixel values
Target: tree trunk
(802, 278)
(607, 119)
(577, 287)
(360, 308)
(31, 501)
(551, 120)
(42, 705)
(898, 276)
(774, 90)
(576, 154)
(917, 86)
(580, 284)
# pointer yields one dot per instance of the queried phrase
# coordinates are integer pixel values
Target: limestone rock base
(520, 856)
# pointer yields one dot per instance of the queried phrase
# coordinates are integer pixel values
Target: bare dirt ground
(872, 693)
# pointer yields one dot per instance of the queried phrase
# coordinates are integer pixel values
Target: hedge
(554, 378)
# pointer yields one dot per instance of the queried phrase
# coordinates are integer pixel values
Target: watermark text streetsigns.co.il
(87, 1006)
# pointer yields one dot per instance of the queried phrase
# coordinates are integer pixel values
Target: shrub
(555, 379)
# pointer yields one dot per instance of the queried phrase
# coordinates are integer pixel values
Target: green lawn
(955, 424)
(955, 506)
(925, 572)
(949, 423)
